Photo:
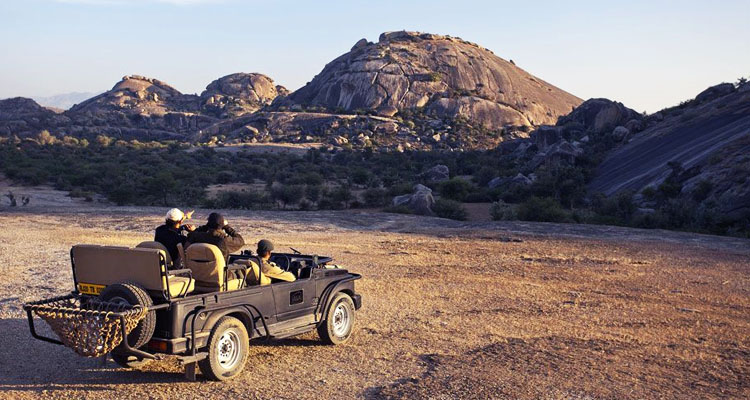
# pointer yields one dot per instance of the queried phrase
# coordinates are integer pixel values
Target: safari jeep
(137, 305)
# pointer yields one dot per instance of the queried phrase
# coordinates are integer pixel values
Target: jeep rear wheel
(134, 295)
(339, 322)
(228, 348)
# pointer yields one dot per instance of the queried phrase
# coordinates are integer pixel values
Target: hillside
(446, 76)
(408, 91)
(702, 146)
(547, 311)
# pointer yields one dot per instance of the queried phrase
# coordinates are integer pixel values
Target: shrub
(543, 209)
(400, 188)
(502, 211)
(288, 194)
(479, 196)
(242, 200)
(702, 190)
(485, 175)
(375, 197)
(341, 195)
(449, 209)
(455, 189)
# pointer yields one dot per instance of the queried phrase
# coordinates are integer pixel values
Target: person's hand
(228, 229)
(190, 227)
(189, 214)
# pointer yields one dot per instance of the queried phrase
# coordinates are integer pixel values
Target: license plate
(90, 288)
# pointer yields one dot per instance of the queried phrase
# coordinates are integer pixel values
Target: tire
(228, 348)
(339, 322)
(129, 361)
(133, 294)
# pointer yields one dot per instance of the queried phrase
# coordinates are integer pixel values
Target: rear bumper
(357, 301)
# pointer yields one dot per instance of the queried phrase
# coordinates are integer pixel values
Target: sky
(647, 54)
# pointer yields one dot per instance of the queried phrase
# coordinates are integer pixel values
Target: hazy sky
(647, 54)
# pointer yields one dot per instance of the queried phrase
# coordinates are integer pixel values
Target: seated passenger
(173, 232)
(270, 269)
(218, 233)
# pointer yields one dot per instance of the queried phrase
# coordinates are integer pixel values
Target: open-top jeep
(197, 308)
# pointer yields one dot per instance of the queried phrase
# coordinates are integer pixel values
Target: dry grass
(451, 310)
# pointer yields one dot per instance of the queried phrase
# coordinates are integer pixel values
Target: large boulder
(600, 115)
(420, 201)
(714, 92)
(437, 173)
(447, 76)
(240, 93)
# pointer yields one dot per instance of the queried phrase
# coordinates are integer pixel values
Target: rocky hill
(699, 150)
(446, 76)
(238, 94)
(408, 91)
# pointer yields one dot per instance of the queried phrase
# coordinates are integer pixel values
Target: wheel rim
(228, 349)
(119, 300)
(340, 320)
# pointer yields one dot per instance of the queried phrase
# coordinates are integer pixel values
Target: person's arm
(275, 272)
(234, 240)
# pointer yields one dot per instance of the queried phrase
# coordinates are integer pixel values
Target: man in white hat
(173, 231)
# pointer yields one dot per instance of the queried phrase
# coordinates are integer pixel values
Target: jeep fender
(245, 313)
(345, 285)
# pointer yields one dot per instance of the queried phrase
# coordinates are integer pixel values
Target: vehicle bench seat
(147, 267)
(209, 269)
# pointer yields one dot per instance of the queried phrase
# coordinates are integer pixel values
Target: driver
(269, 268)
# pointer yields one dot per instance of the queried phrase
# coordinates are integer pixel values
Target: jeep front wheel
(339, 321)
(228, 348)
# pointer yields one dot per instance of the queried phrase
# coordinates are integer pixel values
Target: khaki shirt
(270, 271)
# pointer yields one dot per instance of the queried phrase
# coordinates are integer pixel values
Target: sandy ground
(451, 310)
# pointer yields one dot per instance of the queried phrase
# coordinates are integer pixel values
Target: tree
(287, 194)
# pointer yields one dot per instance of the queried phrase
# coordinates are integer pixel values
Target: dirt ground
(450, 310)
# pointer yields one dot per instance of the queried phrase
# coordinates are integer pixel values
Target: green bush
(375, 197)
(478, 196)
(502, 211)
(241, 200)
(288, 194)
(543, 209)
(449, 209)
(455, 189)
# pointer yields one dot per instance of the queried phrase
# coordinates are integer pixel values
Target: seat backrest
(207, 265)
(156, 245)
(180, 261)
(99, 266)
(255, 275)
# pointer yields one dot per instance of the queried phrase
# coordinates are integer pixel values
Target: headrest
(158, 246)
(203, 252)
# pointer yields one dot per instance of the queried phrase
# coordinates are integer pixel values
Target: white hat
(175, 215)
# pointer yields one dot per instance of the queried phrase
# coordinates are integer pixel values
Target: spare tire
(130, 293)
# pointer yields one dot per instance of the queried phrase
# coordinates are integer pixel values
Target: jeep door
(294, 299)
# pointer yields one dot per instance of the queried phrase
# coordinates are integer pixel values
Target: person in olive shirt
(269, 268)
(218, 233)
(173, 232)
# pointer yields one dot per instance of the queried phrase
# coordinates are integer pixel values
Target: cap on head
(265, 246)
(175, 215)
(215, 221)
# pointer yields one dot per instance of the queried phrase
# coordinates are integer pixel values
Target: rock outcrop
(420, 201)
(238, 94)
(707, 137)
(443, 75)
